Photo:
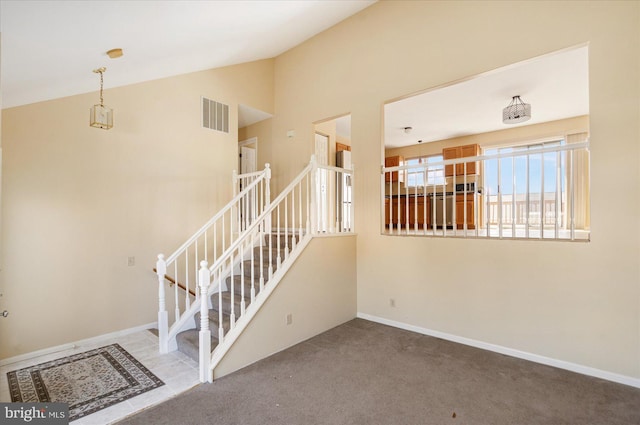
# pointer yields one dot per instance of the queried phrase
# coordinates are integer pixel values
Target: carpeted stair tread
(226, 301)
(257, 269)
(238, 281)
(265, 254)
(214, 321)
(189, 341)
(288, 240)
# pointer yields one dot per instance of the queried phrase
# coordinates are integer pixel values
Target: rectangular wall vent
(215, 115)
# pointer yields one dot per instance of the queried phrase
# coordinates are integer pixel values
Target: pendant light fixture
(101, 116)
(516, 112)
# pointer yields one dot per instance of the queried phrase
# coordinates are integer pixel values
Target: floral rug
(87, 382)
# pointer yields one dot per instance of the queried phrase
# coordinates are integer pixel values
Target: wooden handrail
(172, 281)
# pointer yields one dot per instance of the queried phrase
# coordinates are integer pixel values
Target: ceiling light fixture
(114, 53)
(516, 112)
(99, 115)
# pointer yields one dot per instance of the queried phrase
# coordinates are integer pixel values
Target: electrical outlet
(392, 302)
(131, 261)
(289, 319)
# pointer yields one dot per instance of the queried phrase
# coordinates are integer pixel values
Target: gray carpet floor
(366, 373)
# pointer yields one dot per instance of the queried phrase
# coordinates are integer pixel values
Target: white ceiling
(556, 86)
(248, 115)
(49, 48)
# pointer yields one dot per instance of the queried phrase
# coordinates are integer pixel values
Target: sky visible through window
(435, 175)
(519, 163)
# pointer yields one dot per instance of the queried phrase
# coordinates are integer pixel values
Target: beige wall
(78, 201)
(319, 291)
(343, 140)
(2, 307)
(576, 302)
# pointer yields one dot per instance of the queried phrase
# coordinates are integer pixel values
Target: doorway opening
(332, 147)
(248, 155)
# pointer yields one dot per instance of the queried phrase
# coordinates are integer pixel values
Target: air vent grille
(215, 115)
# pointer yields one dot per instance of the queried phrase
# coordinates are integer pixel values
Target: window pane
(436, 174)
(416, 176)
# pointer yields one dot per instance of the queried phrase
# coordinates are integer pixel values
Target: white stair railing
(248, 207)
(334, 200)
(182, 267)
(249, 270)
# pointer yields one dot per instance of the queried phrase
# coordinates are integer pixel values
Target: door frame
(247, 143)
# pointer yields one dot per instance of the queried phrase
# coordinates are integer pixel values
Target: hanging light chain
(101, 72)
(101, 116)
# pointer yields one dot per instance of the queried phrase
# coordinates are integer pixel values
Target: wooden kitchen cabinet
(460, 216)
(461, 152)
(418, 205)
(399, 210)
(394, 213)
(387, 211)
(394, 161)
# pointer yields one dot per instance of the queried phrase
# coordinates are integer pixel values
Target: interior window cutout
(486, 177)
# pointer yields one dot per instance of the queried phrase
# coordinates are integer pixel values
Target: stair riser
(189, 342)
(265, 255)
(247, 284)
(213, 322)
(226, 304)
(256, 270)
(288, 241)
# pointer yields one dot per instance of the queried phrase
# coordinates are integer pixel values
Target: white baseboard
(76, 344)
(561, 364)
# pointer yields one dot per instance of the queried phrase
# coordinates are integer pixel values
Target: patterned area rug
(88, 381)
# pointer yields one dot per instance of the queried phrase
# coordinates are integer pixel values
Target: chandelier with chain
(101, 116)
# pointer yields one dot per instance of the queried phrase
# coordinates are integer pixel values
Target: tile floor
(177, 371)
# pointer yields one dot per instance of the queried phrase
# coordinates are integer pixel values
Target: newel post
(163, 316)
(204, 279)
(314, 194)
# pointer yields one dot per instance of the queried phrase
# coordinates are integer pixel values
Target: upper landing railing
(534, 193)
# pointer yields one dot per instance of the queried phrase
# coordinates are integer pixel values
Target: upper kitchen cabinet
(461, 152)
(394, 161)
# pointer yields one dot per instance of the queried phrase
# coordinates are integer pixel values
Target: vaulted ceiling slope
(49, 48)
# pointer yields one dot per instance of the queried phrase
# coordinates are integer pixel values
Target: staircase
(225, 272)
(244, 285)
